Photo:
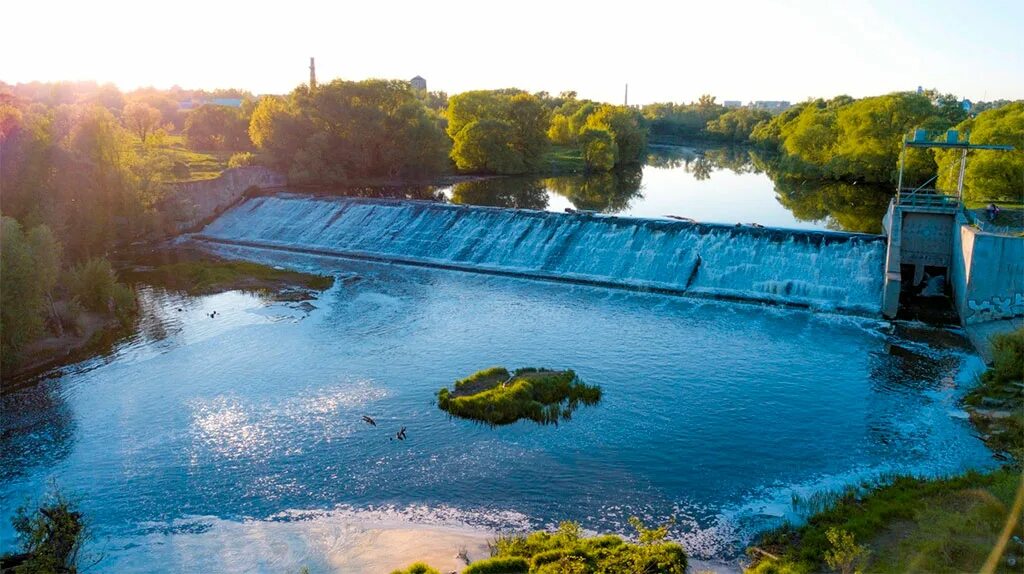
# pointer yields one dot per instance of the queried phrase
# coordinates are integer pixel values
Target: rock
(351, 280)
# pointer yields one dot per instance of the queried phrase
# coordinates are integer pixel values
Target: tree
(141, 119)
(520, 116)
(737, 125)
(627, 127)
(485, 145)
(599, 149)
(29, 264)
(214, 127)
(350, 130)
(990, 175)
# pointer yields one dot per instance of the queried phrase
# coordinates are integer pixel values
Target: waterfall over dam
(825, 270)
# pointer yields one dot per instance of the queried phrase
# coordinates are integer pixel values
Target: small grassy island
(496, 397)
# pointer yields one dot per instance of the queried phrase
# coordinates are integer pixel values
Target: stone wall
(987, 274)
(190, 204)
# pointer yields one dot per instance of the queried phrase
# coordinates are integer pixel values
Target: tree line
(848, 139)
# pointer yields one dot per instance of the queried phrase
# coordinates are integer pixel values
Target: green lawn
(563, 159)
(191, 165)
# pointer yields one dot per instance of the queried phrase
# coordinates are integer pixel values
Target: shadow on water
(42, 432)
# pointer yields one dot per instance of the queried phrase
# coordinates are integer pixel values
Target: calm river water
(714, 413)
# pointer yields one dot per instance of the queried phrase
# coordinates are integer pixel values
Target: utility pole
(626, 100)
(312, 74)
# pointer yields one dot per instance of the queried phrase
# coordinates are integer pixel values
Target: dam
(815, 269)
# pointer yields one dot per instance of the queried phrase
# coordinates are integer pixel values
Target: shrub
(499, 565)
(242, 159)
(845, 555)
(417, 568)
(51, 537)
(568, 551)
(94, 284)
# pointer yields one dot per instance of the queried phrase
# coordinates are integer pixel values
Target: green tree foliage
(51, 538)
(349, 130)
(417, 568)
(486, 146)
(843, 138)
(990, 175)
(568, 551)
(76, 169)
(559, 133)
(29, 267)
(213, 127)
(477, 119)
(242, 159)
(94, 284)
(600, 151)
(627, 127)
(736, 125)
(672, 122)
(141, 119)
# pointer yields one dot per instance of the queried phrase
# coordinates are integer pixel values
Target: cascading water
(818, 269)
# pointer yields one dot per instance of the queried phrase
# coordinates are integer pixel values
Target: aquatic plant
(495, 397)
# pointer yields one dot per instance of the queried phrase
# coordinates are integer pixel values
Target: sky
(666, 51)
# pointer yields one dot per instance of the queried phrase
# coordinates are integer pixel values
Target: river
(235, 443)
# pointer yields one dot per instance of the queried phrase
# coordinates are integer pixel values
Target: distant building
(418, 83)
(732, 104)
(770, 105)
(920, 90)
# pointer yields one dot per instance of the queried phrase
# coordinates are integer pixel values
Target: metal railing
(917, 197)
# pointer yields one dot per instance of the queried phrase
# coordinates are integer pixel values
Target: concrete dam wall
(195, 202)
(987, 274)
(825, 270)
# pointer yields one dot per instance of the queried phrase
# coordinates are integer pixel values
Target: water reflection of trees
(842, 206)
(607, 192)
(702, 162)
(37, 429)
(519, 192)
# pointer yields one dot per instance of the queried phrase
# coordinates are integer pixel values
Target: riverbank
(92, 333)
(960, 523)
(96, 333)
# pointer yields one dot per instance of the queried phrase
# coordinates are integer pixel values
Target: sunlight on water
(238, 440)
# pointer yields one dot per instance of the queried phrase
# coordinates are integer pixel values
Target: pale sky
(666, 51)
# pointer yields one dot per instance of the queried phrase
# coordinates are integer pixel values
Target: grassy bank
(562, 160)
(205, 276)
(191, 165)
(495, 397)
(925, 525)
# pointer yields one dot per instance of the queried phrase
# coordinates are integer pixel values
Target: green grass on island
(568, 551)
(496, 397)
(205, 276)
(561, 159)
